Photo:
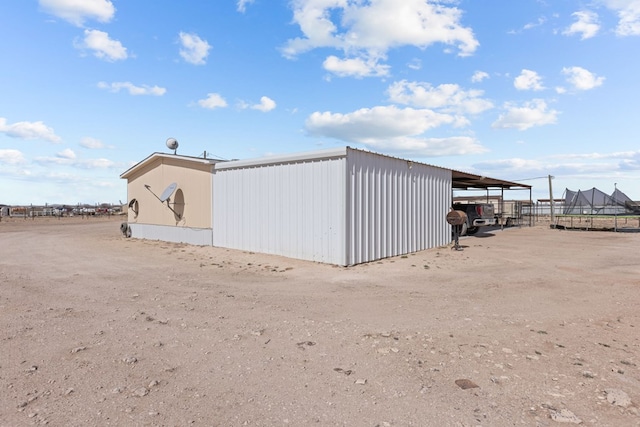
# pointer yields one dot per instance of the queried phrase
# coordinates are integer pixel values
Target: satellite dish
(168, 191)
(172, 144)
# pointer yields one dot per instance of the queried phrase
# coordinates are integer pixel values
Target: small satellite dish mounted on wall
(172, 144)
(168, 192)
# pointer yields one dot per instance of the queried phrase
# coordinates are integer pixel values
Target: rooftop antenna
(172, 144)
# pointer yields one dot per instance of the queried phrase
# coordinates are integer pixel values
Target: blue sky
(509, 89)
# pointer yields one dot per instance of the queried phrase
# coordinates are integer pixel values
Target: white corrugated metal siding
(394, 207)
(288, 206)
(340, 206)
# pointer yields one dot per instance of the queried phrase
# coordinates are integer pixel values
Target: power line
(531, 179)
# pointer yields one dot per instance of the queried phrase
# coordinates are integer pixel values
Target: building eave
(157, 155)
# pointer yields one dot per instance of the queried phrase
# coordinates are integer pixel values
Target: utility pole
(615, 207)
(551, 199)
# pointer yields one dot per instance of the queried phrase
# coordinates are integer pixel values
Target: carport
(465, 181)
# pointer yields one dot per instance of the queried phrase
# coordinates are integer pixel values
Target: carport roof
(465, 181)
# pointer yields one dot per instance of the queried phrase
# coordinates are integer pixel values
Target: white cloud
(512, 165)
(528, 80)
(242, 5)
(133, 89)
(447, 97)
(355, 67)
(598, 156)
(533, 113)
(479, 76)
(102, 46)
(65, 159)
(47, 161)
(194, 50)
(375, 123)
(77, 12)
(392, 129)
(213, 100)
(67, 153)
(415, 64)
(538, 23)
(628, 14)
(428, 147)
(365, 31)
(91, 143)
(582, 79)
(11, 157)
(590, 165)
(266, 104)
(29, 130)
(96, 164)
(586, 25)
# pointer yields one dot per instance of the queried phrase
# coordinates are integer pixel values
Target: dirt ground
(527, 326)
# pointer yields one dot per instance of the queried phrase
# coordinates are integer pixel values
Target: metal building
(340, 206)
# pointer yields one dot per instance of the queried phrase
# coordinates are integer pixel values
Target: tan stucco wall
(194, 184)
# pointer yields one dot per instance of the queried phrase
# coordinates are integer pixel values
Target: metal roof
(465, 181)
(460, 180)
(276, 159)
(157, 155)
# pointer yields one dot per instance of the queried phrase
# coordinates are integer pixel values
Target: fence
(58, 211)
